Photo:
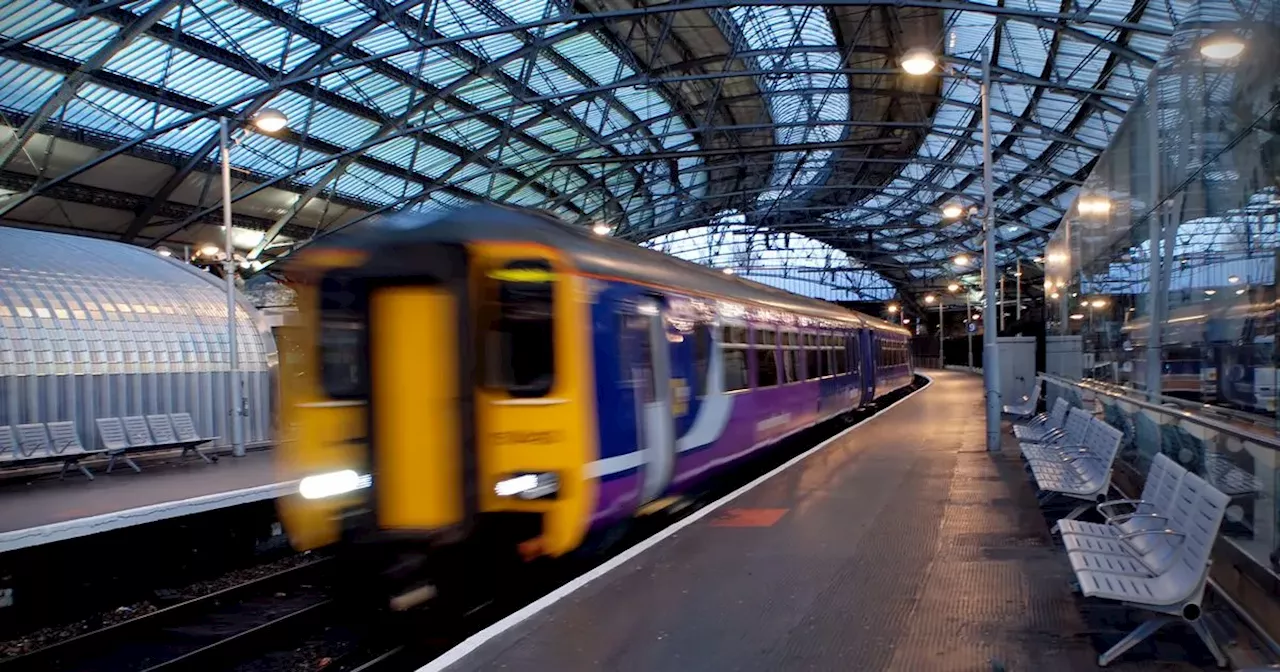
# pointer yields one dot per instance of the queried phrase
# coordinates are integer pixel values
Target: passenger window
(766, 358)
(790, 357)
(733, 352)
(812, 369)
(520, 343)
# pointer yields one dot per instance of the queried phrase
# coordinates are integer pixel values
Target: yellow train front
(500, 381)
(402, 424)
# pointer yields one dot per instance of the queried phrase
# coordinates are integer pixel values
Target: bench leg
(1132, 639)
(1207, 637)
(197, 452)
(1077, 512)
(111, 462)
(74, 463)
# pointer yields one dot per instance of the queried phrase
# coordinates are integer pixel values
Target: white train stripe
(615, 464)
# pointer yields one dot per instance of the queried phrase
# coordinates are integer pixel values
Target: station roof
(653, 119)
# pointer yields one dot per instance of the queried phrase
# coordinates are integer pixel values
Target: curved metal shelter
(651, 119)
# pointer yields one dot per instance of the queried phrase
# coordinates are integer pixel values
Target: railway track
(209, 632)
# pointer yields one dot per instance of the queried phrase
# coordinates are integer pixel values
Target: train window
(851, 353)
(521, 342)
(343, 312)
(733, 354)
(791, 354)
(735, 369)
(701, 358)
(766, 358)
(811, 367)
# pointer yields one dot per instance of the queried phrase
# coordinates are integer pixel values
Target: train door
(866, 345)
(656, 421)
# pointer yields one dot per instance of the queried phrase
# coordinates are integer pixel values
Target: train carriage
(500, 372)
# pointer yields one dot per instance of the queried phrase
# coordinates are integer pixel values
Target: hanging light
(164, 252)
(210, 250)
(1210, 292)
(1098, 303)
(1077, 316)
(601, 229)
(930, 298)
(953, 287)
(1233, 279)
(893, 308)
(952, 210)
(919, 61)
(270, 120)
(1240, 291)
(727, 271)
(962, 260)
(1053, 295)
(1222, 45)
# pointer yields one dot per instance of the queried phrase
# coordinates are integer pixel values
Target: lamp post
(269, 121)
(922, 62)
(930, 299)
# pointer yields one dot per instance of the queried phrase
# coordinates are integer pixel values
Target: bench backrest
(8, 444)
(33, 440)
(135, 429)
(111, 432)
(1162, 482)
(1058, 414)
(185, 429)
(1103, 442)
(1076, 428)
(161, 428)
(66, 440)
(1198, 511)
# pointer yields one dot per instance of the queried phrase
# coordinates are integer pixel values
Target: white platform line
(82, 527)
(475, 641)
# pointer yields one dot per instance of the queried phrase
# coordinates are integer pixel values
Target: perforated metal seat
(1027, 405)
(1083, 474)
(1043, 426)
(115, 440)
(1071, 438)
(1149, 511)
(1175, 591)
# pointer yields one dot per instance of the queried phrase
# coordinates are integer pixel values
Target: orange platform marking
(748, 517)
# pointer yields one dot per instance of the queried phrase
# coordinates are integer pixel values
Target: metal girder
(725, 151)
(415, 32)
(80, 14)
(72, 82)
(587, 20)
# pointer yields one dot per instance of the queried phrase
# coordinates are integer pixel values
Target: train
(500, 374)
(1217, 352)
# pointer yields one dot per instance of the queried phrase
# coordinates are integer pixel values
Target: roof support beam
(71, 83)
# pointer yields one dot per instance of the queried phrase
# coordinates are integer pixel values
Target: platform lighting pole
(990, 346)
(968, 320)
(233, 380)
(920, 61)
(270, 121)
(941, 345)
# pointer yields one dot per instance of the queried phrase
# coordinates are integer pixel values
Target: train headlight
(528, 486)
(333, 484)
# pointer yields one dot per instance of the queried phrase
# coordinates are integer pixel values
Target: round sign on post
(971, 327)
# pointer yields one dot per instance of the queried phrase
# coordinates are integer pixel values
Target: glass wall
(1195, 167)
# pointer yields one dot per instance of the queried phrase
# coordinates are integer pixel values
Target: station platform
(47, 510)
(900, 545)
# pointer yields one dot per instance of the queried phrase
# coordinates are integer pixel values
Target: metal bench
(185, 431)
(65, 445)
(1082, 475)
(1027, 405)
(1155, 501)
(1044, 426)
(8, 444)
(35, 444)
(116, 441)
(162, 431)
(1072, 437)
(1174, 590)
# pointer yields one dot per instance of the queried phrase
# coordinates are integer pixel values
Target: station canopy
(664, 123)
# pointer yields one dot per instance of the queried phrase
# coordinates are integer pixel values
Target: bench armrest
(1141, 533)
(1115, 520)
(1135, 503)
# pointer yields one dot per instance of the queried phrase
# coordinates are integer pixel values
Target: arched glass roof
(650, 118)
(794, 263)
